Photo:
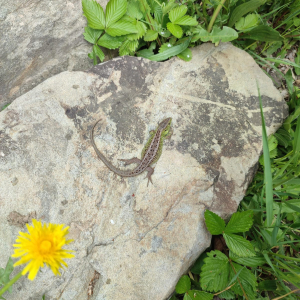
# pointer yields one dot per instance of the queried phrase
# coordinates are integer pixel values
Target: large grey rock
(39, 39)
(132, 242)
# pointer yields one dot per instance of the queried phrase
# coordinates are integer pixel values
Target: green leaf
(121, 28)
(115, 10)
(99, 52)
(141, 30)
(238, 245)
(187, 21)
(215, 272)
(93, 56)
(243, 9)
(185, 55)
(94, 13)
(246, 279)
(91, 35)
(267, 285)
(289, 81)
(214, 223)
(170, 5)
(177, 12)
(227, 295)
(150, 35)
(110, 42)
(201, 34)
(183, 285)
(297, 61)
(128, 47)
(240, 222)
(199, 295)
(253, 261)
(223, 35)
(5, 273)
(263, 33)
(165, 47)
(196, 268)
(146, 53)
(247, 22)
(176, 30)
(133, 10)
(171, 52)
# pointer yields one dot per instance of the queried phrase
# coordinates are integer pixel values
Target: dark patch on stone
(75, 86)
(69, 135)
(16, 219)
(108, 281)
(64, 202)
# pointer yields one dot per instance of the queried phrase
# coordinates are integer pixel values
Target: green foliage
(5, 273)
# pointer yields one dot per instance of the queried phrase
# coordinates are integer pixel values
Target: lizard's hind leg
(133, 160)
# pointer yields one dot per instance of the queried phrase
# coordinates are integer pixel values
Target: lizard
(150, 153)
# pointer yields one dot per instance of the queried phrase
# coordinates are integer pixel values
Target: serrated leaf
(150, 35)
(99, 52)
(227, 295)
(133, 10)
(243, 9)
(115, 10)
(263, 33)
(176, 30)
(128, 47)
(165, 47)
(199, 295)
(238, 245)
(121, 28)
(246, 279)
(185, 55)
(170, 5)
(214, 223)
(94, 14)
(187, 21)
(225, 34)
(170, 52)
(215, 272)
(91, 35)
(110, 42)
(253, 261)
(247, 22)
(141, 28)
(177, 12)
(240, 222)
(183, 285)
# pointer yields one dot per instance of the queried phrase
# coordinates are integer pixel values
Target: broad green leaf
(263, 33)
(165, 47)
(223, 35)
(253, 261)
(228, 294)
(170, 5)
(110, 42)
(170, 52)
(243, 9)
(94, 13)
(176, 30)
(141, 28)
(146, 53)
(274, 46)
(177, 12)
(98, 52)
(128, 47)
(150, 35)
(183, 285)
(187, 21)
(91, 35)
(185, 55)
(247, 22)
(214, 275)
(5, 273)
(201, 34)
(115, 10)
(199, 295)
(267, 285)
(214, 223)
(240, 222)
(121, 28)
(238, 245)
(196, 268)
(133, 10)
(246, 279)
(297, 61)
(289, 81)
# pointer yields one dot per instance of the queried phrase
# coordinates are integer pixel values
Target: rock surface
(39, 39)
(132, 241)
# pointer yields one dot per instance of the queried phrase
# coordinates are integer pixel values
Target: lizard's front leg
(131, 161)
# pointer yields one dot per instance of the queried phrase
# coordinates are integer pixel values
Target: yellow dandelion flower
(43, 244)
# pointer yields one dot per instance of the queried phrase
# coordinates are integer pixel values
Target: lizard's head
(164, 126)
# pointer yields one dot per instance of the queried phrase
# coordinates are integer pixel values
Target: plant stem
(214, 16)
(285, 257)
(10, 283)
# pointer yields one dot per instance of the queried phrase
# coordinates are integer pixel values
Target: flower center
(45, 246)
